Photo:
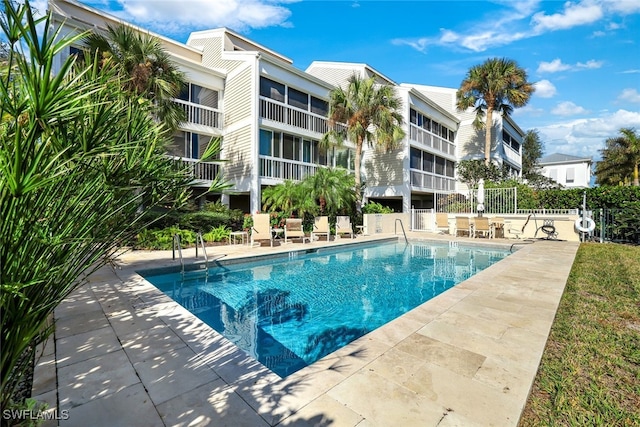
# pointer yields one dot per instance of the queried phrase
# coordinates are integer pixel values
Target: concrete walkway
(125, 354)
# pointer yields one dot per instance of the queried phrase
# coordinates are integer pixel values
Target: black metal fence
(617, 225)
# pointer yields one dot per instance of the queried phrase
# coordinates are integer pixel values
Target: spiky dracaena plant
(80, 163)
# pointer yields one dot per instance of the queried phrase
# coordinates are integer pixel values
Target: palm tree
(333, 189)
(498, 84)
(148, 69)
(283, 197)
(620, 159)
(370, 112)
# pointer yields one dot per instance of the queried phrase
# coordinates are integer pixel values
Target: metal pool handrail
(176, 243)
(200, 240)
(395, 229)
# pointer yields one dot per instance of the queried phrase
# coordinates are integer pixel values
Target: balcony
(428, 139)
(421, 180)
(203, 173)
(293, 116)
(512, 155)
(201, 115)
(277, 168)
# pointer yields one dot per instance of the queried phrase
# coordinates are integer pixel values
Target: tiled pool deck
(124, 354)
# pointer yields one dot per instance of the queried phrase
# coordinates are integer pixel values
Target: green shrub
(203, 220)
(376, 208)
(163, 239)
(218, 234)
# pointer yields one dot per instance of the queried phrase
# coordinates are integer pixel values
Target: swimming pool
(291, 311)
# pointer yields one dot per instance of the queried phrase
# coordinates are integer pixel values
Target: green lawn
(590, 370)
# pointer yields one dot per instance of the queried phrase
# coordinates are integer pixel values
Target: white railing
(201, 114)
(547, 211)
(512, 154)
(428, 181)
(278, 168)
(200, 171)
(430, 140)
(283, 113)
(496, 201)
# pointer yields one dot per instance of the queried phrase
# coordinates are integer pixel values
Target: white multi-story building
(272, 115)
(506, 147)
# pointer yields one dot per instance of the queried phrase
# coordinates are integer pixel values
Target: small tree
(472, 171)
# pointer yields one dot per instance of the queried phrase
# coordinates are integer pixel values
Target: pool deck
(124, 354)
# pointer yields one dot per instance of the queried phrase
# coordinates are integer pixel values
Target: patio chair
(261, 229)
(497, 225)
(482, 227)
(442, 222)
(517, 232)
(343, 226)
(320, 228)
(293, 230)
(463, 225)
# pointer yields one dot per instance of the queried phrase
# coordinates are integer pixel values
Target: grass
(590, 369)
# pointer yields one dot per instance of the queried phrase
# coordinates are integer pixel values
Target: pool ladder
(178, 246)
(395, 230)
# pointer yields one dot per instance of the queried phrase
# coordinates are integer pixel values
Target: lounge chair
(261, 229)
(442, 222)
(463, 226)
(320, 228)
(517, 232)
(293, 230)
(343, 226)
(482, 227)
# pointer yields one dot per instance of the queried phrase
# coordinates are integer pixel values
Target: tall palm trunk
(636, 180)
(487, 137)
(356, 163)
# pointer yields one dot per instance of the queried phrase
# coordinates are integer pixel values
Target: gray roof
(562, 158)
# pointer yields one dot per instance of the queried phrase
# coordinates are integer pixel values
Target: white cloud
(591, 64)
(552, 67)
(629, 95)
(556, 66)
(544, 89)
(585, 137)
(624, 7)
(174, 16)
(568, 108)
(573, 15)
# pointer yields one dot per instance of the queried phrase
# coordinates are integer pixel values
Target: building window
(298, 99)
(271, 89)
(319, 106)
(571, 175)
(197, 94)
(266, 137)
(430, 125)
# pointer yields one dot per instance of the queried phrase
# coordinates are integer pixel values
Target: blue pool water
(289, 312)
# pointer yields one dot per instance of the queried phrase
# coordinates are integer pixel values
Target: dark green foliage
(77, 160)
(375, 208)
(203, 220)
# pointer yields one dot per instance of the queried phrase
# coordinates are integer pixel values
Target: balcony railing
(430, 140)
(199, 171)
(201, 114)
(428, 181)
(297, 117)
(278, 168)
(512, 155)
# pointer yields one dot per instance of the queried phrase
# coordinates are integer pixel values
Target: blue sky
(583, 55)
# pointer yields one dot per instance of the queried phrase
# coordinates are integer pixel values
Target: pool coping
(467, 356)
